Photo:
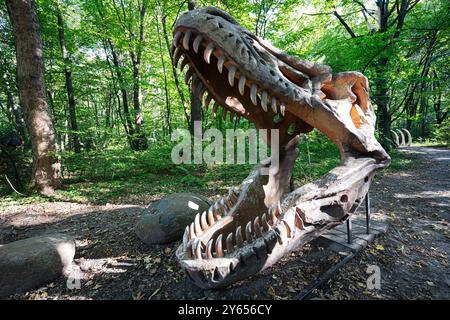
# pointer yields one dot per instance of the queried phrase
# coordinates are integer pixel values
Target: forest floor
(114, 264)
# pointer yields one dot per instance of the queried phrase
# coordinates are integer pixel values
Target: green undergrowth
(119, 175)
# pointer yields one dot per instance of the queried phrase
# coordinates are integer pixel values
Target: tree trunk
(69, 85)
(46, 174)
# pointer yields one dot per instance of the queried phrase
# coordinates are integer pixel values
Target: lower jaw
(306, 213)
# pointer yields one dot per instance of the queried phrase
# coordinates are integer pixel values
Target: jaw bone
(260, 221)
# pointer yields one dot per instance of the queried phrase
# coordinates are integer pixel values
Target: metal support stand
(367, 213)
(349, 230)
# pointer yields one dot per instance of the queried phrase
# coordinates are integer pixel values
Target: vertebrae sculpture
(260, 221)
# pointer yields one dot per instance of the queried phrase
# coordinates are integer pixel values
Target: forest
(90, 95)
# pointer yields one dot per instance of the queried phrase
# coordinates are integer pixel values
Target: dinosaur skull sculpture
(260, 221)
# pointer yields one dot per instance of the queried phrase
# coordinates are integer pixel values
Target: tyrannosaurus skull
(260, 221)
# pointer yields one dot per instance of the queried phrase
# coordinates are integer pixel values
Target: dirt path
(113, 264)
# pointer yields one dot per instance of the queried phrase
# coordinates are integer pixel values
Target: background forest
(114, 97)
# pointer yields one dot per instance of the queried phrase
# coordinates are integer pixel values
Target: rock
(165, 220)
(27, 264)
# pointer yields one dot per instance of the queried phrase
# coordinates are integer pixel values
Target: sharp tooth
(231, 74)
(248, 231)
(198, 249)
(282, 108)
(272, 216)
(288, 228)
(219, 250)
(186, 38)
(274, 104)
(197, 227)
(188, 75)
(224, 114)
(264, 222)
(232, 115)
(209, 249)
(207, 101)
(176, 56)
(242, 80)
(197, 41)
(176, 37)
(192, 234)
(223, 205)
(217, 211)
(183, 63)
(238, 234)
(238, 118)
(210, 216)
(185, 237)
(220, 63)
(281, 234)
(203, 221)
(229, 242)
(253, 94)
(257, 227)
(299, 222)
(207, 54)
(278, 210)
(264, 101)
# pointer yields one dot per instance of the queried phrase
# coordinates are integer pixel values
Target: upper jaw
(236, 44)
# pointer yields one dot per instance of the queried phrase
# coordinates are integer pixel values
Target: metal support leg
(367, 213)
(349, 230)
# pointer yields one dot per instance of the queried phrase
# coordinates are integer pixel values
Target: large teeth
(176, 37)
(219, 250)
(264, 101)
(176, 56)
(197, 227)
(242, 84)
(253, 91)
(203, 221)
(207, 54)
(229, 242)
(197, 41)
(220, 63)
(198, 250)
(282, 108)
(288, 229)
(299, 221)
(231, 74)
(264, 222)
(209, 249)
(257, 227)
(191, 231)
(248, 232)
(274, 104)
(239, 239)
(211, 216)
(273, 218)
(186, 237)
(186, 38)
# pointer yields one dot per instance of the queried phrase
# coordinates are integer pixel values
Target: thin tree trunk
(69, 85)
(46, 174)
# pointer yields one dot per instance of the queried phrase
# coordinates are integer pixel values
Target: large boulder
(165, 220)
(27, 264)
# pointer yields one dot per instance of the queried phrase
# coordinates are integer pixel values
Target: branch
(346, 26)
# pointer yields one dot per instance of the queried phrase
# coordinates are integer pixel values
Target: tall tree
(68, 77)
(46, 174)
